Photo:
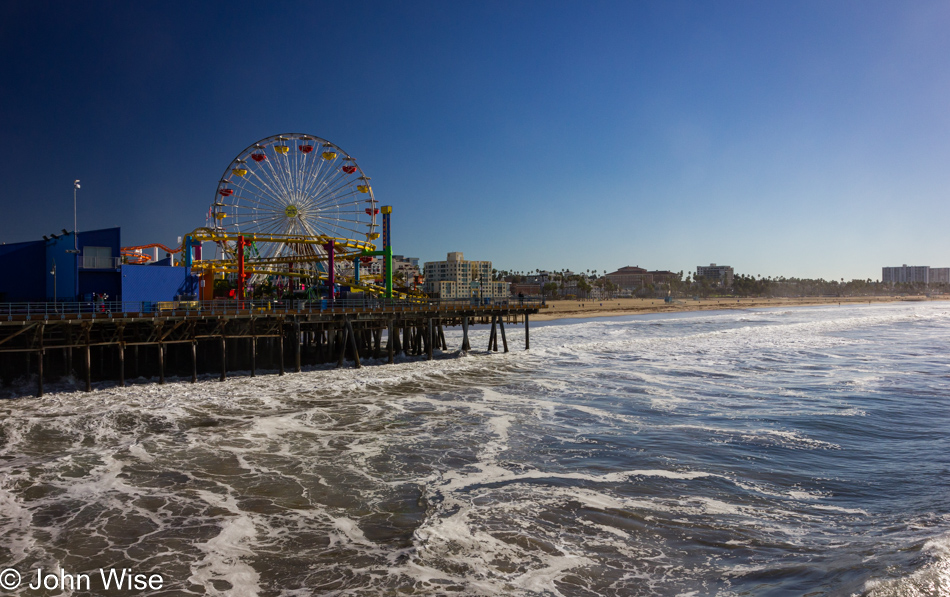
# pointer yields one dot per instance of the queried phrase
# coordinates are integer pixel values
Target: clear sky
(807, 139)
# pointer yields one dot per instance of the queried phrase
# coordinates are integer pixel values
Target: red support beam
(240, 250)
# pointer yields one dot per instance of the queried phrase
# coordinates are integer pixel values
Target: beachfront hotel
(630, 277)
(720, 275)
(457, 278)
(915, 274)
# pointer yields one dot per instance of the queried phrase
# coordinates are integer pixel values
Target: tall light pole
(75, 226)
(75, 249)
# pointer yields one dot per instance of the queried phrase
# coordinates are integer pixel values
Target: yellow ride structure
(345, 249)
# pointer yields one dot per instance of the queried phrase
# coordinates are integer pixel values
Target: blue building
(27, 271)
(149, 283)
(23, 272)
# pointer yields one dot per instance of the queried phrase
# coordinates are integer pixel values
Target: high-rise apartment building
(906, 274)
(457, 278)
(940, 275)
(721, 275)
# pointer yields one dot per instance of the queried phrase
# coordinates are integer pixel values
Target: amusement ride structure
(291, 207)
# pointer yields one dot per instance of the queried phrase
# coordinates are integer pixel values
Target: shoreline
(570, 309)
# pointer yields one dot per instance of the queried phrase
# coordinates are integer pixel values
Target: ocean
(801, 451)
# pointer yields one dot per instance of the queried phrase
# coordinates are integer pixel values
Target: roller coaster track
(344, 248)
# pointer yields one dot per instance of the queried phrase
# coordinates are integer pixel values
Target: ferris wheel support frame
(331, 271)
(192, 246)
(387, 255)
(242, 277)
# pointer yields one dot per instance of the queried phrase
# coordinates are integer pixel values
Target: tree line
(563, 284)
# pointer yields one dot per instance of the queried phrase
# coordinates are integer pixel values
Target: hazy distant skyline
(807, 139)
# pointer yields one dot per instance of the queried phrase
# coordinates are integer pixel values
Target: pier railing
(71, 309)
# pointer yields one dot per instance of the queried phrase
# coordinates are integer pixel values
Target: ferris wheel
(294, 184)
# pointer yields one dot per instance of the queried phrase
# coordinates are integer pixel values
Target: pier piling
(87, 364)
(429, 339)
(353, 345)
(527, 337)
(39, 373)
(492, 336)
(466, 345)
(121, 347)
(296, 345)
(280, 344)
(194, 361)
(391, 342)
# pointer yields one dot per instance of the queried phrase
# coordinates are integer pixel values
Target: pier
(103, 341)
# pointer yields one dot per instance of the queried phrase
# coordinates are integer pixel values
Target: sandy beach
(563, 309)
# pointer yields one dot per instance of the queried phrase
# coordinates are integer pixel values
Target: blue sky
(807, 139)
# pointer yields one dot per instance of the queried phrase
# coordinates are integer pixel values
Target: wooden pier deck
(110, 341)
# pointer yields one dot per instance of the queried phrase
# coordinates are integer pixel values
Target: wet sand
(563, 309)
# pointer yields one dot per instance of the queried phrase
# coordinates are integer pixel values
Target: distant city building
(720, 275)
(525, 289)
(409, 266)
(570, 288)
(940, 275)
(915, 274)
(457, 278)
(630, 277)
(406, 261)
(373, 269)
(542, 278)
(663, 277)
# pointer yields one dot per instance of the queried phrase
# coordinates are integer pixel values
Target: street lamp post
(75, 226)
(75, 249)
